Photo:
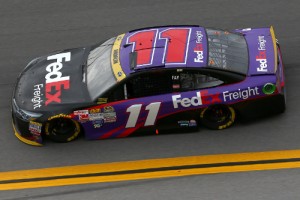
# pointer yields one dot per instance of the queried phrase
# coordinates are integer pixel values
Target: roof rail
(163, 27)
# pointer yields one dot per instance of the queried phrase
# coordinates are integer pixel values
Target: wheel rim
(62, 126)
(217, 114)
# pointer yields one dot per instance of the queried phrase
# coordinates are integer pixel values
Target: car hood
(53, 81)
(262, 50)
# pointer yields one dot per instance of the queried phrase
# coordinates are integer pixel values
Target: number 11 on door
(135, 110)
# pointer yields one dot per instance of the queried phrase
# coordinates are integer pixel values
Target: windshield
(227, 51)
(100, 76)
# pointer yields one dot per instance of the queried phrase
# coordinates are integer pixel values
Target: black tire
(62, 129)
(218, 117)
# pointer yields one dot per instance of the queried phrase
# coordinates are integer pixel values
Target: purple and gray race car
(150, 81)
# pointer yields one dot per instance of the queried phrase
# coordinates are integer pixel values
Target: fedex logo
(199, 47)
(199, 51)
(262, 56)
(187, 102)
(55, 81)
(201, 98)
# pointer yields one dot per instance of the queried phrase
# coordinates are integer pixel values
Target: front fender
(23, 133)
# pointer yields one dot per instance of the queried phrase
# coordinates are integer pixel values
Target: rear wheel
(218, 116)
(62, 129)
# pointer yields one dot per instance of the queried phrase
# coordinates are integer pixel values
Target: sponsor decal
(199, 48)
(59, 116)
(240, 94)
(269, 88)
(83, 115)
(98, 123)
(95, 110)
(176, 86)
(211, 62)
(35, 128)
(108, 109)
(210, 98)
(55, 81)
(175, 77)
(110, 117)
(201, 98)
(37, 96)
(183, 123)
(187, 102)
(115, 59)
(262, 55)
(95, 116)
(102, 100)
(97, 119)
(115, 56)
(187, 123)
(192, 123)
(109, 114)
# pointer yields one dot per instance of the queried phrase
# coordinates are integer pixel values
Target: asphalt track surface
(32, 28)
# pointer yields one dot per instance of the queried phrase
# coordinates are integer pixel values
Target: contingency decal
(115, 58)
(35, 128)
(83, 115)
(109, 114)
(96, 117)
(187, 123)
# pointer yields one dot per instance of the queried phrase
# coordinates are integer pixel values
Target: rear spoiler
(275, 48)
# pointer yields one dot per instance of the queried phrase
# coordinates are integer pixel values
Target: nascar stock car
(147, 81)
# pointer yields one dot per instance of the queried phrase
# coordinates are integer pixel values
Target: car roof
(159, 47)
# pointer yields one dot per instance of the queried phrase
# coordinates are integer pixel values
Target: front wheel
(62, 129)
(217, 116)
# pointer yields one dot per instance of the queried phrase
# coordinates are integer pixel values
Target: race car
(150, 81)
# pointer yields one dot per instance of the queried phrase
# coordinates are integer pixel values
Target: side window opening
(142, 85)
(117, 94)
(162, 82)
(193, 81)
(149, 84)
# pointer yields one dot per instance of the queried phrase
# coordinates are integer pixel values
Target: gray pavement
(30, 28)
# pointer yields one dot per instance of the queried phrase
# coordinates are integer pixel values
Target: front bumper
(25, 128)
(31, 140)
